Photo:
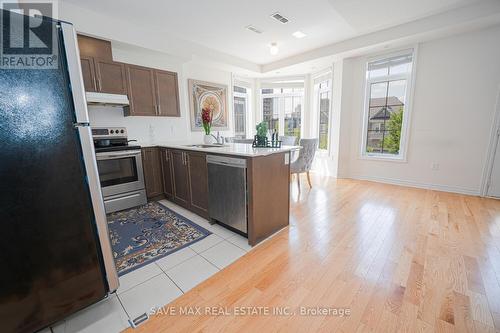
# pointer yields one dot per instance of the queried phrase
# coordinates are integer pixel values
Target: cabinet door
(152, 172)
(166, 167)
(198, 182)
(110, 77)
(141, 91)
(88, 73)
(167, 93)
(180, 176)
(94, 48)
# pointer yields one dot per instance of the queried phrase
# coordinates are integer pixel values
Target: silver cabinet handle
(95, 84)
(99, 84)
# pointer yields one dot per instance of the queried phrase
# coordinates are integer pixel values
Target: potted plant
(206, 118)
(261, 137)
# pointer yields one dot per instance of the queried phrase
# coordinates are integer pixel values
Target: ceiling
(220, 25)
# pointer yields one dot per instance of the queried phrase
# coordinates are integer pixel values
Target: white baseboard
(436, 187)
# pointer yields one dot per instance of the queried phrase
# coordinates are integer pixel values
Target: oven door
(120, 172)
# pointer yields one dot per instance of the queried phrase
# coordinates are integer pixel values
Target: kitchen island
(179, 172)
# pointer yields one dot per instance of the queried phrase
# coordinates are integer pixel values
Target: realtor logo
(28, 35)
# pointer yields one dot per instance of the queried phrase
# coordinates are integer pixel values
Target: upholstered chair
(304, 160)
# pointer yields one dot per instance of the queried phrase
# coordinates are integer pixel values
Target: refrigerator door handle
(75, 72)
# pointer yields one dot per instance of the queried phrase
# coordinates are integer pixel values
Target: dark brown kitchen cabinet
(166, 167)
(100, 72)
(151, 164)
(180, 177)
(94, 48)
(141, 91)
(198, 182)
(104, 76)
(88, 73)
(152, 92)
(167, 93)
(110, 76)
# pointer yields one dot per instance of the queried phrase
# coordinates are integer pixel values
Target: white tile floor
(162, 281)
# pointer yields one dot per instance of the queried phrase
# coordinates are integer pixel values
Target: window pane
(270, 108)
(376, 119)
(385, 117)
(397, 92)
(378, 68)
(324, 115)
(378, 93)
(374, 142)
(392, 134)
(240, 89)
(240, 117)
(401, 65)
(293, 110)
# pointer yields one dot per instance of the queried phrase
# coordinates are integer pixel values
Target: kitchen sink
(206, 146)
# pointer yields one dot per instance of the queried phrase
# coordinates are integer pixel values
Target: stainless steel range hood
(94, 98)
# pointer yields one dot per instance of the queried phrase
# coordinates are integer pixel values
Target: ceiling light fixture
(299, 34)
(273, 48)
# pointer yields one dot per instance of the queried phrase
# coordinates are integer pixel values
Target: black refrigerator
(55, 253)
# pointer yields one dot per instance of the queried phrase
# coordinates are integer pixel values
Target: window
(240, 98)
(388, 82)
(282, 110)
(323, 94)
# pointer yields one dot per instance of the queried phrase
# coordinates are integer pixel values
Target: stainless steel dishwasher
(227, 188)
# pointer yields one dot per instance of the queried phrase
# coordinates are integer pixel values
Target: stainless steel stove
(120, 169)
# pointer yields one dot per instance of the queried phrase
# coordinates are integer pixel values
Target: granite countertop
(236, 149)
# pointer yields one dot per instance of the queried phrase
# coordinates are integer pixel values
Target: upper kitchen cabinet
(167, 93)
(110, 77)
(152, 92)
(141, 91)
(100, 73)
(88, 73)
(94, 48)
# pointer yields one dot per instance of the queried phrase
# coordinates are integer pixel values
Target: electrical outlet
(435, 166)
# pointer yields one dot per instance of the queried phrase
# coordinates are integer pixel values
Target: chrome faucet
(219, 138)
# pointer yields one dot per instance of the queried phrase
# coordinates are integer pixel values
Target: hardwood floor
(401, 259)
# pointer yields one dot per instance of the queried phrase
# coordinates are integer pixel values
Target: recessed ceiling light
(273, 49)
(299, 34)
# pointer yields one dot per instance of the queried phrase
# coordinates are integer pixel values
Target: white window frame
(405, 130)
(281, 114)
(245, 96)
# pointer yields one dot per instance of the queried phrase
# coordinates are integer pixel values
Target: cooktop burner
(112, 139)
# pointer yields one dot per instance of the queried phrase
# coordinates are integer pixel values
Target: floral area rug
(147, 233)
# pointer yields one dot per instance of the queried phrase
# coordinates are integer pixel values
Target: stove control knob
(112, 131)
(122, 131)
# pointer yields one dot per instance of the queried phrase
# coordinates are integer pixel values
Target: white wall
(457, 82)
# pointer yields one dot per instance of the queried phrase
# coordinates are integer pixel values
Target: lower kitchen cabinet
(198, 182)
(180, 177)
(153, 179)
(166, 168)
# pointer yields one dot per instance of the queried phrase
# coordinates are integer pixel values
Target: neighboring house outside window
(388, 87)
